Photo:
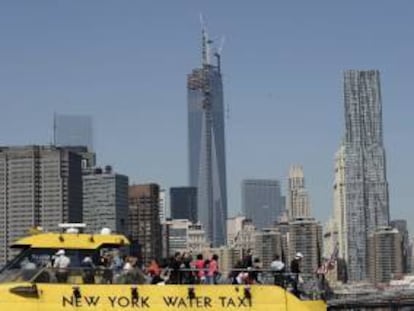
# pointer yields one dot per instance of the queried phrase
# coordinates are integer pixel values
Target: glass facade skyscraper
(261, 201)
(366, 188)
(206, 145)
(73, 130)
(183, 203)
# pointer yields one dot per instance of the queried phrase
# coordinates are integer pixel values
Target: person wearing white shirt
(61, 264)
(278, 268)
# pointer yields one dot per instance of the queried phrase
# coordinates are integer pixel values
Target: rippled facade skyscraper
(206, 144)
(366, 188)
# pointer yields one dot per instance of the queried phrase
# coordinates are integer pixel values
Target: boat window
(31, 262)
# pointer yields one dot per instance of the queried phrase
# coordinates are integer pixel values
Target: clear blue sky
(125, 63)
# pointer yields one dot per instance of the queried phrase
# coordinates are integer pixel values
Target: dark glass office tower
(206, 145)
(183, 203)
(366, 187)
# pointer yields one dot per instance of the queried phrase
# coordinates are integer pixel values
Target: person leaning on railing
(212, 270)
(199, 266)
(61, 263)
(278, 268)
(295, 270)
(88, 273)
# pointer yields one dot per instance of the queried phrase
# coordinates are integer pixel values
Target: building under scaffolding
(206, 144)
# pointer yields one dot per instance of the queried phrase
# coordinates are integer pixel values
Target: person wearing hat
(295, 270)
(278, 268)
(295, 263)
(61, 263)
(88, 273)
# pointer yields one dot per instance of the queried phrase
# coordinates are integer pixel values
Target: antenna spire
(205, 42)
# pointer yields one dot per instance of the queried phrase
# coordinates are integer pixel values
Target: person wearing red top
(154, 271)
(213, 272)
(199, 265)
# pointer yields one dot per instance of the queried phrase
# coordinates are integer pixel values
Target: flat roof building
(261, 201)
(105, 201)
(305, 236)
(268, 243)
(73, 130)
(183, 203)
(144, 224)
(39, 186)
(384, 255)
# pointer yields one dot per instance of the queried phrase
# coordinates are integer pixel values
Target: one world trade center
(206, 143)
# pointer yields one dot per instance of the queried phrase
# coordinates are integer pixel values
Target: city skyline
(262, 144)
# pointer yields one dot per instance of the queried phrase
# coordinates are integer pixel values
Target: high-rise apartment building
(197, 240)
(185, 236)
(234, 226)
(338, 222)
(384, 255)
(164, 210)
(39, 186)
(206, 143)
(183, 203)
(401, 226)
(267, 243)
(144, 221)
(241, 233)
(261, 201)
(332, 249)
(228, 258)
(411, 252)
(365, 187)
(282, 226)
(177, 236)
(305, 236)
(73, 130)
(105, 201)
(298, 204)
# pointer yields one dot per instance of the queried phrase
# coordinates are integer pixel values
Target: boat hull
(60, 297)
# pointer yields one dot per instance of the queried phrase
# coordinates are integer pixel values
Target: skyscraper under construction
(206, 145)
(365, 190)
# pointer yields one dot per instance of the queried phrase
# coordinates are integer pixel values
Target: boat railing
(75, 275)
(303, 285)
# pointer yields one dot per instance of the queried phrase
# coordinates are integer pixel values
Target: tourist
(154, 271)
(295, 266)
(88, 273)
(61, 263)
(199, 266)
(278, 268)
(254, 275)
(212, 270)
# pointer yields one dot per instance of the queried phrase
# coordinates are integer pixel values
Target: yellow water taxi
(34, 282)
